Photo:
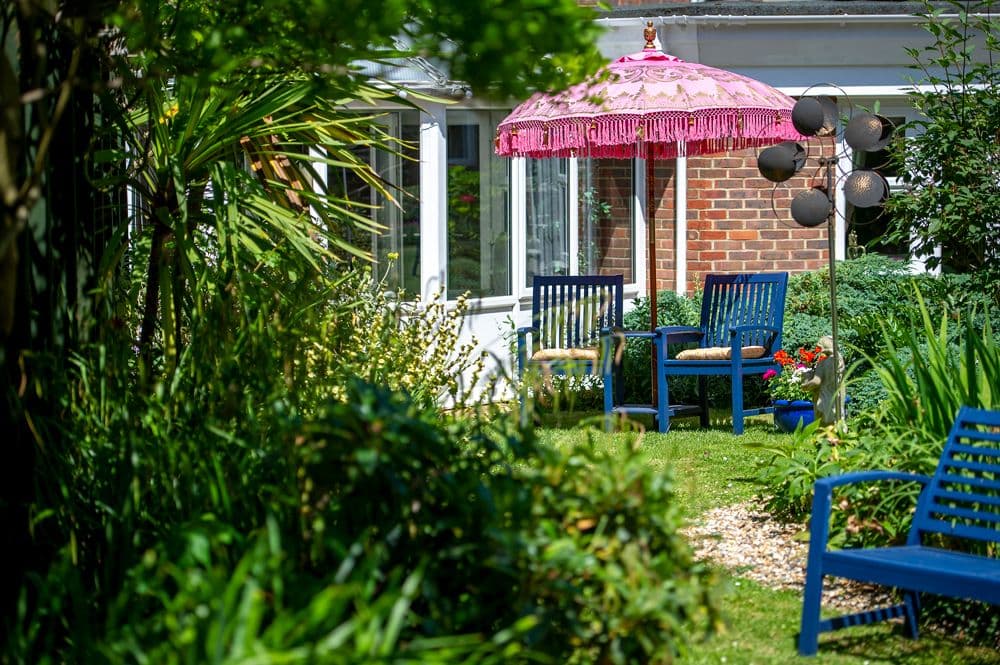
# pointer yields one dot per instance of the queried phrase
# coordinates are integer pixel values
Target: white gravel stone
(751, 544)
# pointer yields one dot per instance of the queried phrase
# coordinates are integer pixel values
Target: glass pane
(606, 219)
(401, 235)
(547, 212)
(478, 208)
(869, 225)
(396, 247)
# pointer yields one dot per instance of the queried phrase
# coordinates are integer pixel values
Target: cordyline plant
(202, 211)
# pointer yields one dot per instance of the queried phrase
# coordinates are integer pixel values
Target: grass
(712, 468)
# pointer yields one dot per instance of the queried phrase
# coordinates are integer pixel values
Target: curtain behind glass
(547, 213)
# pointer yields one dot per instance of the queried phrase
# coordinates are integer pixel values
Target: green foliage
(224, 530)
(410, 346)
(671, 310)
(950, 208)
(927, 372)
(501, 48)
(925, 397)
(606, 532)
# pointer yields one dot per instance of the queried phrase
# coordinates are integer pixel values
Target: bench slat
(964, 496)
(950, 479)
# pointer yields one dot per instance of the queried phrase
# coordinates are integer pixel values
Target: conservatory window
(478, 207)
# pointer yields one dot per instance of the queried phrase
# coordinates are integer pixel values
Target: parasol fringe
(627, 136)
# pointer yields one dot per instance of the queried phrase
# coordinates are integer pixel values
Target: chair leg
(811, 598)
(703, 416)
(609, 402)
(737, 390)
(662, 401)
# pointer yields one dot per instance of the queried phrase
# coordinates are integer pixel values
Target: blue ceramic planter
(788, 415)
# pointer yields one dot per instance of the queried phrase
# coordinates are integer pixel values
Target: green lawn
(713, 468)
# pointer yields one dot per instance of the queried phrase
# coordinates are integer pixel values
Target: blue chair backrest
(963, 498)
(746, 299)
(570, 311)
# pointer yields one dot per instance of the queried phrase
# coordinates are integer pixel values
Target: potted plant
(793, 404)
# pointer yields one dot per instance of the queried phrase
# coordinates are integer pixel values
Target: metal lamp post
(817, 116)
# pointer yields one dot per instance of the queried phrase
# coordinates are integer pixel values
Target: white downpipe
(573, 189)
(681, 223)
(518, 223)
(639, 218)
(433, 199)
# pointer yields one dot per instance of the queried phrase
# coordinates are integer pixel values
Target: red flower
(783, 358)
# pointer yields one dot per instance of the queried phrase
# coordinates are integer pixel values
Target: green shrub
(584, 544)
(671, 310)
(926, 375)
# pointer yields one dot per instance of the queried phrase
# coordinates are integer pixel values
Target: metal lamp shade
(780, 162)
(811, 207)
(815, 116)
(865, 189)
(868, 132)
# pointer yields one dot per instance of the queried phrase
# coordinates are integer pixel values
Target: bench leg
(812, 597)
(911, 607)
(609, 400)
(662, 401)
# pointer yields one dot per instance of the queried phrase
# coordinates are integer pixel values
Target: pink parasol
(650, 105)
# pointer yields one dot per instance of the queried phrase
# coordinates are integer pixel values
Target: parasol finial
(649, 34)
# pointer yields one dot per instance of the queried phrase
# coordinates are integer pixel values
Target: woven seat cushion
(720, 353)
(565, 354)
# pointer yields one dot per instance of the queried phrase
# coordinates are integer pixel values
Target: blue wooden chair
(569, 316)
(740, 331)
(947, 552)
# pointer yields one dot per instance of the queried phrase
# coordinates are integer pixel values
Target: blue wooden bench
(569, 315)
(955, 526)
(740, 331)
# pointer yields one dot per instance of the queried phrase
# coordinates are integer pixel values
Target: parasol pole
(649, 34)
(651, 234)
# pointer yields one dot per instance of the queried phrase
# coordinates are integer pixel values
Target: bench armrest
(855, 477)
(819, 520)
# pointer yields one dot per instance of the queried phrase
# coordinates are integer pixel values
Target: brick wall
(733, 224)
(613, 234)
(740, 222)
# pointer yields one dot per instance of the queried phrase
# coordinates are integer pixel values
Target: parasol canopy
(651, 105)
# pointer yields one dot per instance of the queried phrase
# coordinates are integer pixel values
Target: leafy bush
(926, 375)
(585, 544)
(208, 522)
(671, 310)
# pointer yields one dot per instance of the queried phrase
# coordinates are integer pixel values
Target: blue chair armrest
(678, 334)
(522, 334)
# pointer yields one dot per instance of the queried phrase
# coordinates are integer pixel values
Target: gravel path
(751, 544)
